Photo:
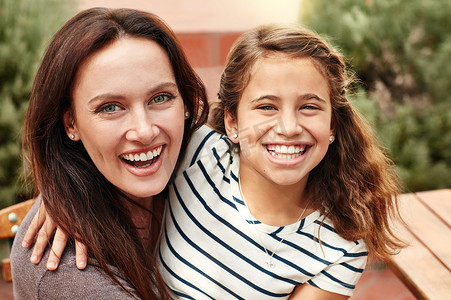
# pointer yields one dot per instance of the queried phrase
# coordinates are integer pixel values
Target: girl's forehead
(280, 57)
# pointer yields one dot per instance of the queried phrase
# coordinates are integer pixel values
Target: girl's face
(128, 113)
(283, 121)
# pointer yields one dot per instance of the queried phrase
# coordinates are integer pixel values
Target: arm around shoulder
(68, 282)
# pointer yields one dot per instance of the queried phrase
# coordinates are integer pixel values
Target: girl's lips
(286, 154)
(286, 151)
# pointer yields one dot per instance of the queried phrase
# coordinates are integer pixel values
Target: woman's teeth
(138, 159)
(287, 152)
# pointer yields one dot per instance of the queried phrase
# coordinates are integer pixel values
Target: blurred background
(399, 50)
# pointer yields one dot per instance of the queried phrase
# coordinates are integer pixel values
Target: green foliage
(401, 53)
(397, 47)
(419, 142)
(26, 27)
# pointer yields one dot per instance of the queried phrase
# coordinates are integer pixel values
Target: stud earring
(331, 138)
(235, 135)
(72, 136)
(186, 114)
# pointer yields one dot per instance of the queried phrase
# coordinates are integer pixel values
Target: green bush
(418, 141)
(26, 27)
(400, 49)
(401, 53)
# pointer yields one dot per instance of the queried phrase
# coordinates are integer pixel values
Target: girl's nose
(289, 124)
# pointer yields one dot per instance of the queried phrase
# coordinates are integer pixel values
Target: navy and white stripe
(210, 249)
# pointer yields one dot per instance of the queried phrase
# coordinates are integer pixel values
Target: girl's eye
(310, 107)
(266, 107)
(109, 108)
(162, 98)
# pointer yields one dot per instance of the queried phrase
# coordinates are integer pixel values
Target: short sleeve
(341, 276)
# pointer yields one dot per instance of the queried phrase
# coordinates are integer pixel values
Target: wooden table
(425, 265)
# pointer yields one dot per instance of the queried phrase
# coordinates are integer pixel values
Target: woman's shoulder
(67, 282)
(36, 282)
(92, 283)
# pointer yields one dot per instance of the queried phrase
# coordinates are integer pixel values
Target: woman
(112, 103)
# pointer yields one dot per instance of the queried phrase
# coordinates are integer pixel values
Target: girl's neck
(273, 204)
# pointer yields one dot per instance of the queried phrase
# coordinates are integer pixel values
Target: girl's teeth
(285, 152)
(143, 156)
(283, 149)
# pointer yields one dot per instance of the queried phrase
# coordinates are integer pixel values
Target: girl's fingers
(34, 227)
(81, 255)
(58, 245)
(42, 240)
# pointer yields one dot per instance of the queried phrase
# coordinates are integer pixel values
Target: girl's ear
(231, 126)
(70, 126)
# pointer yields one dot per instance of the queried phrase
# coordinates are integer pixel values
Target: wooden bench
(10, 219)
(425, 265)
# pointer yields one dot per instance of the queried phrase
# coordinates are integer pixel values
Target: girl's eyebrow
(303, 97)
(112, 96)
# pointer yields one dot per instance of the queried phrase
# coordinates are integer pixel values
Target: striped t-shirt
(213, 248)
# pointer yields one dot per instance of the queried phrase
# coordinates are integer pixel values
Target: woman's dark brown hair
(77, 196)
(355, 185)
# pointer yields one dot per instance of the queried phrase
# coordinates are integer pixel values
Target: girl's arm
(307, 291)
(42, 226)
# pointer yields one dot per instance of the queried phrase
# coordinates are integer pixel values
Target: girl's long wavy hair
(77, 196)
(355, 185)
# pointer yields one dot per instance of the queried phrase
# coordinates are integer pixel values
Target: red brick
(225, 43)
(197, 47)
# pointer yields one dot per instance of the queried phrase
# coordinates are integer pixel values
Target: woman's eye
(109, 108)
(162, 98)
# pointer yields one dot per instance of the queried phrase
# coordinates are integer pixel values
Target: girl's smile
(283, 121)
(286, 154)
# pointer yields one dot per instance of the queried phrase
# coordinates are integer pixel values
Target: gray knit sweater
(67, 282)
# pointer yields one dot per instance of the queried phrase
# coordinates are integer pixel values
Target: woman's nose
(142, 129)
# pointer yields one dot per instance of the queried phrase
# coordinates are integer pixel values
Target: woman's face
(129, 114)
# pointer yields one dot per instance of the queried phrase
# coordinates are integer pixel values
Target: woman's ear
(231, 126)
(69, 125)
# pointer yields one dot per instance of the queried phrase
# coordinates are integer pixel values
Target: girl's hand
(42, 226)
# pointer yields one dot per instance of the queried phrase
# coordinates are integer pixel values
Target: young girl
(291, 195)
(294, 192)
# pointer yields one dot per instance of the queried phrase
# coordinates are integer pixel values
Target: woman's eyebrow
(113, 96)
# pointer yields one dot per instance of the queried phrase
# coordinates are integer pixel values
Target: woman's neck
(273, 204)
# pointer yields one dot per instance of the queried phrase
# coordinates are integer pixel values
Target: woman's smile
(129, 115)
(142, 159)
